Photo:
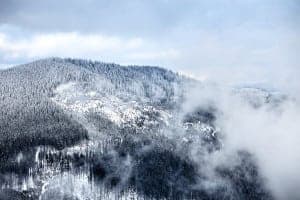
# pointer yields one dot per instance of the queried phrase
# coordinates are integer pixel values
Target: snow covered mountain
(77, 129)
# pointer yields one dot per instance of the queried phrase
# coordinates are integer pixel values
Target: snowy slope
(92, 130)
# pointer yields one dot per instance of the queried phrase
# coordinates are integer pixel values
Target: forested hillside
(113, 131)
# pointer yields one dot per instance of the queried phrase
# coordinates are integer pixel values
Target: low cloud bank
(269, 131)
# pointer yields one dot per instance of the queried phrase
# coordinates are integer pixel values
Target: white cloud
(167, 54)
(91, 46)
(271, 133)
(230, 57)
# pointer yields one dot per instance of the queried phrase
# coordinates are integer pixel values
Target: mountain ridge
(114, 128)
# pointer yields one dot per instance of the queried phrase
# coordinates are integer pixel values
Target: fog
(269, 131)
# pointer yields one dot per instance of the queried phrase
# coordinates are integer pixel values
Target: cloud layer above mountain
(225, 40)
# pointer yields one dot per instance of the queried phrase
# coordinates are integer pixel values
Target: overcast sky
(227, 40)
